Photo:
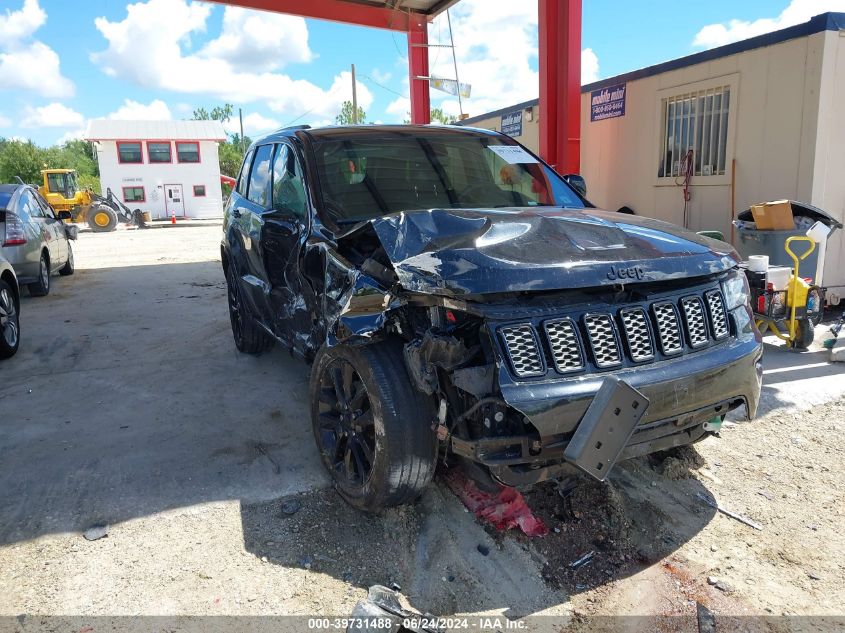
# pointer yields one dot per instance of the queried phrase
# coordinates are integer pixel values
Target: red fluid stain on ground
(505, 510)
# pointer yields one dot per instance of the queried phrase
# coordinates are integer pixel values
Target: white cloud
(73, 135)
(5, 121)
(155, 110)
(51, 115)
(26, 63)
(797, 12)
(258, 41)
(254, 124)
(163, 30)
(589, 66)
(400, 108)
(17, 25)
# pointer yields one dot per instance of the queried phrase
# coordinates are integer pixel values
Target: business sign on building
(512, 123)
(607, 103)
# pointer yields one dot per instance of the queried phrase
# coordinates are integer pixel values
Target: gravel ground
(221, 510)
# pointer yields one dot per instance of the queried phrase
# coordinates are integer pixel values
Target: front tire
(248, 335)
(69, 266)
(10, 326)
(102, 219)
(41, 288)
(372, 427)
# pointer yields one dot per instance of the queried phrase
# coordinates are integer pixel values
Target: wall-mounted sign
(512, 123)
(607, 103)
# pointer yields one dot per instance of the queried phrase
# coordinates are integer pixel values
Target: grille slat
(668, 328)
(603, 341)
(695, 321)
(718, 316)
(634, 333)
(521, 344)
(637, 334)
(566, 349)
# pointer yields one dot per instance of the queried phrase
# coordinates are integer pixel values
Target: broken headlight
(736, 290)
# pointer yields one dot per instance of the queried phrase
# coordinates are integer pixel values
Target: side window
(259, 177)
(29, 206)
(288, 185)
(243, 177)
(46, 210)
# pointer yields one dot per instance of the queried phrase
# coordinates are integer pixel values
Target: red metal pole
(560, 83)
(418, 67)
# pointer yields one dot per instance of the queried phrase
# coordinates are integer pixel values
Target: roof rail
(295, 127)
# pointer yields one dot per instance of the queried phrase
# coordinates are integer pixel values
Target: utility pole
(241, 117)
(455, 61)
(354, 98)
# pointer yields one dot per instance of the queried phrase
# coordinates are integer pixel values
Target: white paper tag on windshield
(512, 154)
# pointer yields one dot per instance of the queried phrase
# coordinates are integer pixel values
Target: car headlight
(736, 290)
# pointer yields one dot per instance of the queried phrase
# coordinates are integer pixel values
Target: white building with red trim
(164, 167)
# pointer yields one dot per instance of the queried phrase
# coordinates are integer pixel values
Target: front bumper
(684, 394)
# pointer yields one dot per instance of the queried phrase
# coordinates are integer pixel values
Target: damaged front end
(534, 381)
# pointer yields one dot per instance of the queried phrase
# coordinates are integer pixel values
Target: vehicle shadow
(449, 563)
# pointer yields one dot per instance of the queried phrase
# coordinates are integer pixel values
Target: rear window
(4, 199)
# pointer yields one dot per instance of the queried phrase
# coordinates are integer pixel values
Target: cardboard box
(773, 216)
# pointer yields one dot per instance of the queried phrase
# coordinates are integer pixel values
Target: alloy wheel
(9, 327)
(347, 426)
(235, 310)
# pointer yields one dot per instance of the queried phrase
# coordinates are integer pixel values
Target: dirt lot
(129, 406)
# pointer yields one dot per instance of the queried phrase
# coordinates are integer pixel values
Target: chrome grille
(668, 329)
(566, 350)
(637, 334)
(695, 321)
(718, 317)
(524, 353)
(603, 340)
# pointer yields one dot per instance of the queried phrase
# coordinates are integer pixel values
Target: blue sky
(162, 58)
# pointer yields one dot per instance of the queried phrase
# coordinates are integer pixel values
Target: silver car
(35, 241)
(10, 309)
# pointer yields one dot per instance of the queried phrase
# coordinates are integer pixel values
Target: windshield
(365, 178)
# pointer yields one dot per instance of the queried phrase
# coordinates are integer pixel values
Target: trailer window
(129, 152)
(159, 152)
(133, 194)
(188, 152)
(698, 122)
(199, 191)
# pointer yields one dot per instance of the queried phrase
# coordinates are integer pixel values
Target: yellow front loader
(61, 189)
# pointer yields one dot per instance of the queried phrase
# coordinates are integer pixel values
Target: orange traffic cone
(173, 218)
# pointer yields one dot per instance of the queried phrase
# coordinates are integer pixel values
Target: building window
(159, 152)
(199, 191)
(129, 152)
(697, 122)
(188, 152)
(134, 194)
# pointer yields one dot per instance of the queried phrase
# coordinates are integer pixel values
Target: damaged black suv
(459, 300)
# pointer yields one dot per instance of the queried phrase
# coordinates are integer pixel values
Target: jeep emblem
(634, 272)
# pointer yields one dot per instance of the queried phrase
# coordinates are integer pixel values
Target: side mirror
(65, 215)
(577, 182)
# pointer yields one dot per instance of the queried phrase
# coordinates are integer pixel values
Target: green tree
(21, 159)
(345, 117)
(218, 113)
(438, 116)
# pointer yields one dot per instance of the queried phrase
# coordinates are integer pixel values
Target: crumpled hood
(470, 251)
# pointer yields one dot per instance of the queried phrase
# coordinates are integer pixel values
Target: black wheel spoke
(363, 453)
(348, 377)
(329, 420)
(359, 393)
(327, 396)
(337, 380)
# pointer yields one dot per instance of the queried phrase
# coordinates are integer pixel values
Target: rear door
(285, 232)
(40, 227)
(248, 207)
(56, 230)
